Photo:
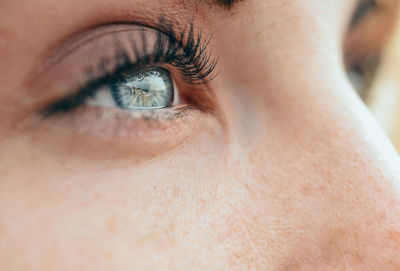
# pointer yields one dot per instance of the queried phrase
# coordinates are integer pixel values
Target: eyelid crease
(81, 40)
(67, 45)
(164, 26)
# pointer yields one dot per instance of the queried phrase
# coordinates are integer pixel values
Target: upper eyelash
(194, 62)
(186, 51)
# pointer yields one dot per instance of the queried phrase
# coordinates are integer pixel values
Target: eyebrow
(226, 3)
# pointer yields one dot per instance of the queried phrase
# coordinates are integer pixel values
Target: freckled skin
(293, 173)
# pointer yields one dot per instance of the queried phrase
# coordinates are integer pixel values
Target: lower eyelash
(186, 51)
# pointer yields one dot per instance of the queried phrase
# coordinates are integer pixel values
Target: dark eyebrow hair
(226, 3)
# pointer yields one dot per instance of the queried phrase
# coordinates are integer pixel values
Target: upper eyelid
(129, 44)
(53, 63)
(84, 38)
(71, 44)
(65, 46)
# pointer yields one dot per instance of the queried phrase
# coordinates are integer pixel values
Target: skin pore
(275, 165)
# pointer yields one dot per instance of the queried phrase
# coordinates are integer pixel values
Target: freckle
(112, 224)
(392, 203)
(395, 237)
(109, 255)
(97, 196)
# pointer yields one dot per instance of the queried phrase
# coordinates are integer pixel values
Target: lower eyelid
(114, 134)
(141, 134)
(120, 123)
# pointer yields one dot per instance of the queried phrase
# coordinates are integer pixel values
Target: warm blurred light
(384, 100)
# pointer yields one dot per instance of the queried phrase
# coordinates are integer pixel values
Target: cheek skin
(87, 214)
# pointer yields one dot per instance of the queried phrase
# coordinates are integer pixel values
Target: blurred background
(372, 60)
(384, 94)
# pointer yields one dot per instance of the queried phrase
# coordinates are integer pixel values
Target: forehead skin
(298, 177)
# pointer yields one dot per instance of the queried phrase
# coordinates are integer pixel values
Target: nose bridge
(293, 110)
(325, 119)
(310, 113)
(321, 161)
(353, 135)
(310, 97)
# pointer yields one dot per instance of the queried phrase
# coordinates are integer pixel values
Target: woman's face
(267, 161)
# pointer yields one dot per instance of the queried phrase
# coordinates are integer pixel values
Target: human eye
(370, 28)
(147, 69)
(142, 87)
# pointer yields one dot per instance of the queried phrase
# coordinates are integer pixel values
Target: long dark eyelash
(187, 51)
(194, 62)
